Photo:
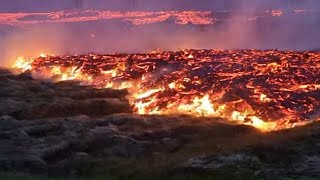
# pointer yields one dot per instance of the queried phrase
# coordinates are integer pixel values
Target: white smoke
(286, 32)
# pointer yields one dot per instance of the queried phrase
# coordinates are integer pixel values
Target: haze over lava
(142, 27)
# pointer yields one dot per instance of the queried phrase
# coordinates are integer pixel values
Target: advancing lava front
(269, 90)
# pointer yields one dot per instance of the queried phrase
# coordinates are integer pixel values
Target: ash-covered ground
(66, 130)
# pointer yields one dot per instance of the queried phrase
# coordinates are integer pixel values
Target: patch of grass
(273, 147)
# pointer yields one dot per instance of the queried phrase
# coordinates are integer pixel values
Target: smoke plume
(238, 24)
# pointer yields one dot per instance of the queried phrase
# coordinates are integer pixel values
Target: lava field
(269, 90)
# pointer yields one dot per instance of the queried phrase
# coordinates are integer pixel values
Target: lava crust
(269, 90)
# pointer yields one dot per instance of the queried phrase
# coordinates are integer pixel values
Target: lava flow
(270, 90)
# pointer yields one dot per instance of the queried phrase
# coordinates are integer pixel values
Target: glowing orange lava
(270, 90)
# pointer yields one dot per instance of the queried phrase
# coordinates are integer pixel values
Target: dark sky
(50, 5)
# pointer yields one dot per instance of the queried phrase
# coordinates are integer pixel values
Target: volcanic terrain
(129, 110)
(183, 114)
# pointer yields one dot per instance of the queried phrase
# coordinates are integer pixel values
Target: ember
(270, 90)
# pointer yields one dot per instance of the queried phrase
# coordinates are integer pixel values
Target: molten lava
(134, 17)
(269, 90)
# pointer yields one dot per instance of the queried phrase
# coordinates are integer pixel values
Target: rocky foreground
(66, 130)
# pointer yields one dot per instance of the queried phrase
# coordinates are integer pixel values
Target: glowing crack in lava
(270, 90)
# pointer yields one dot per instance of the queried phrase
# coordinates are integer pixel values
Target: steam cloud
(235, 32)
